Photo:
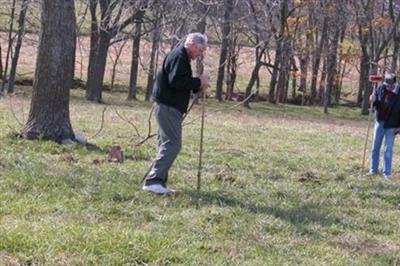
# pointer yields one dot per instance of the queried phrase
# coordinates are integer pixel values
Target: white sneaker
(371, 174)
(387, 177)
(158, 189)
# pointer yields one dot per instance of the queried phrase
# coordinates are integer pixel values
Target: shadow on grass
(300, 216)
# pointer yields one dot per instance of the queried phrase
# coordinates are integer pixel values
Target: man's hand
(372, 98)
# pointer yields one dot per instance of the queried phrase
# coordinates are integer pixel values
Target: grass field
(280, 186)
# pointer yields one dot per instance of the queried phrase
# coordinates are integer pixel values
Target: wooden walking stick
(374, 79)
(201, 142)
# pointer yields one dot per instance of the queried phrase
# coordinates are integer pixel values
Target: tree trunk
(253, 79)
(275, 72)
(396, 50)
(118, 52)
(341, 65)
(94, 40)
(226, 28)
(254, 75)
(322, 82)
(49, 112)
(303, 78)
(367, 91)
(152, 63)
(135, 61)
(279, 57)
(10, 41)
(317, 60)
(331, 70)
(98, 68)
(231, 68)
(294, 77)
(341, 78)
(363, 78)
(304, 62)
(1, 69)
(281, 88)
(201, 27)
(20, 34)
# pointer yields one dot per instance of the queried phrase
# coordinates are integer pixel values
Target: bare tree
(375, 35)
(49, 112)
(154, 51)
(10, 42)
(226, 28)
(317, 54)
(280, 38)
(118, 48)
(396, 38)
(135, 59)
(331, 68)
(259, 36)
(116, 15)
(20, 35)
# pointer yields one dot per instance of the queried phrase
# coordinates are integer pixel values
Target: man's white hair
(197, 39)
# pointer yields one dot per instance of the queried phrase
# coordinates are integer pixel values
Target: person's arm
(374, 97)
(179, 76)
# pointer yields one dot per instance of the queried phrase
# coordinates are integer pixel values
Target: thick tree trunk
(94, 34)
(281, 88)
(97, 69)
(20, 34)
(135, 61)
(49, 112)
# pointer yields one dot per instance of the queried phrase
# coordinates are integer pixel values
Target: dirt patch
(310, 177)
(8, 259)
(368, 246)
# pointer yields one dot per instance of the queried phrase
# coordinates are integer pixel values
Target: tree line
(306, 46)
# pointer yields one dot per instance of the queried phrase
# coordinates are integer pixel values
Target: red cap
(375, 78)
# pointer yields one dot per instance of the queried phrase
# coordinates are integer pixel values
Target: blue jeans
(379, 134)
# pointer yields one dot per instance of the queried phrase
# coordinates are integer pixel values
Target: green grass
(280, 186)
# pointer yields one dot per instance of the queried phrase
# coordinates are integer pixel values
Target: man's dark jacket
(174, 81)
(392, 119)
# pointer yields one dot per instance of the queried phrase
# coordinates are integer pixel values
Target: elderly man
(386, 101)
(171, 94)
